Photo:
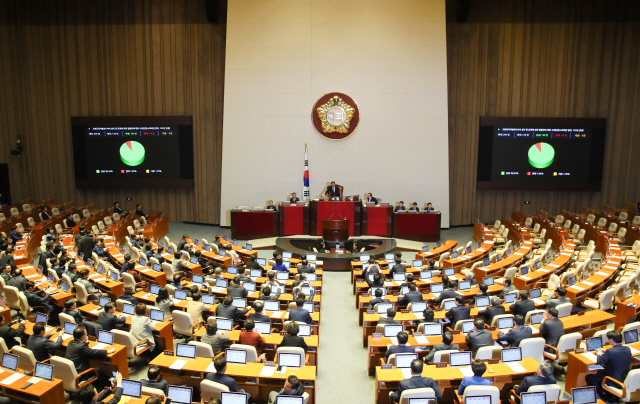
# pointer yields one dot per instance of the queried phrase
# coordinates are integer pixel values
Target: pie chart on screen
(541, 155)
(132, 153)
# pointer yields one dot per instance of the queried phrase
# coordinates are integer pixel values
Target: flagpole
(305, 177)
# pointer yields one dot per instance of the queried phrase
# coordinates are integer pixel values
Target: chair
(488, 352)
(510, 273)
(472, 391)
(202, 350)
(632, 326)
(602, 301)
(622, 216)
(580, 237)
(107, 221)
(443, 356)
(55, 212)
(128, 279)
(602, 222)
(552, 393)
(591, 218)
(134, 349)
(533, 348)
(528, 222)
(65, 370)
(12, 297)
(621, 235)
(627, 390)
(443, 257)
(540, 239)
(564, 309)
(559, 220)
(446, 300)
(3, 349)
(416, 393)
(527, 318)
(81, 293)
(211, 389)
(294, 350)
(252, 354)
(494, 322)
(26, 360)
(183, 323)
(62, 317)
(14, 212)
(567, 343)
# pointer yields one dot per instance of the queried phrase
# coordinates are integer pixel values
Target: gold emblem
(335, 115)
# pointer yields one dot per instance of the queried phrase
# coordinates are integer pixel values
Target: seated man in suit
(139, 212)
(7, 259)
(37, 298)
(478, 368)
(482, 288)
(108, 318)
(155, 380)
(293, 340)
(253, 263)
(128, 295)
(414, 207)
(447, 345)
(294, 198)
(398, 268)
(333, 191)
(402, 346)
(377, 299)
(39, 343)
(183, 243)
(15, 235)
(400, 207)
(557, 297)
(409, 280)
(235, 290)
(265, 293)
(429, 207)
(460, 312)
(70, 309)
(552, 328)
(272, 206)
(292, 387)
(218, 243)
(220, 363)
(524, 305)
(518, 333)
(9, 334)
(415, 382)
(494, 310)
(544, 375)
(508, 288)
(117, 209)
(449, 291)
(158, 254)
(371, 199)
(299, 314)
(413, 296)
(242, 276)
(69, 222)
(306, 268)
(616, 361)
(258, 316)
(99, 249)
(390, 319)
(79, 353)
(89, 395)
(478, 337)
(18, 281)
(429, 317)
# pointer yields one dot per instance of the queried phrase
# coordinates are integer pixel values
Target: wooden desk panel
(49, 392)
(320, 210)
(377, 221)
(254, 225)
(294, 219)
(417, 226)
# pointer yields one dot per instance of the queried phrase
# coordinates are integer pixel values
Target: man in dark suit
(6, 273)
(7, 259)
(377, 299)
(371, 199)
(552, 329)
(508, 288)
(495, 309)
(299, 314)
(220, 363)
(413, 296)
(460, 312)
(253, 264)
(414, 207)
(242, 276)
(478, 337)
(37, 298)
(616, 362)
(139, 211)
(89, 395)
(9, 334)
(18, 281)
(557, 297)
(518, 333)
(398, 267)
(158, 255)
(79, 353)
(390, 319)
(429, 207)
(155, 380)
(447, 339)
(265, 293)
(333, 191)
(69, 222)
(294, 198)
(70, 310)
(372, 269)
(402, 346)
(227, 310)
(400, 207)
(183, 244)
(415, 382)
(117, 209)
(39, 343)
(15, 235)
(218, 244)
(85, 246)
(306, 268)
(108, 319)
(272, 206)
(45, 213)
(449, 292)
(258, 316)
(235, 290)
(524, 305)
(544, 375)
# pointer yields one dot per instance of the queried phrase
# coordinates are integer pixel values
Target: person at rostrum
(544, 375)
(478, 337)
(39, 343)
(400, 207)
(478, 368)
(79, 353)
(460, 312)
(211, 336)
(495, 309)
(402, 346)
(371, 199)
(220, 363)
(294, 198)
(415, 382)
(292, 339)
(333, 191)
(447, 345)
(615, 361)
(89, 395)
(272, 206)
(518, 333)
(292, 387)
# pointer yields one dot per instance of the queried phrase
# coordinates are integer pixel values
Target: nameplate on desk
(396, 294)
(371, 312)
(168, 353)
(438, 309)
(492, 328)
(455, 332)
(376, 335)
(493, 361)
(365, 295)
(417, 334)
(441, 364)
(270, 364)
(284, 333)
(404, 311)
(581, 313)
(386, 366)
(579, 350)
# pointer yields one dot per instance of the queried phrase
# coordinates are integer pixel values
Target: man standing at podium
(333, 191)
(371, 199)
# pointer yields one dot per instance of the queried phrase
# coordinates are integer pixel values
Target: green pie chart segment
(132, 153)
(541, 155)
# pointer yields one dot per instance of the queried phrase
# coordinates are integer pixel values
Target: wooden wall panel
(134, 57)
(543, 58)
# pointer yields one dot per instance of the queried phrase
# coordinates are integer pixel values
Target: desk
(417, 226)
(336, 210)
(435, 253)
(156, 230)
(377, 221)
(49, 392)
(294, 219)
(253, 225)
(388, 379)
(498, 268)
(246, 376)
(627, 310)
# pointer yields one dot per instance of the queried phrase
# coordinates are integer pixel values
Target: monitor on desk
(467, 326)
(69, 327)
(234, 398)
(364, 258)
(64, 286)
(305, 330)
(537, 397)
(180, 294)
(536, 318)
(468, 249)
(105, 337)
(256, 273)
(224, 324)
(196, 242)
(477, 400)
(404, 290)
(417, 263)
(195, 278)
(630, 336)
(425, 275)
(104, 300)
(237, 356)
(489, 280)
(170, 250)
(399, 277)
(437, 287)
(511, 355)
(232, 270)
(289, 399)
(261, 261)
(418, 307)
(193, 260)
(524, 270)
(131, 388)
(156, 267)
(181, 395)
(143, 262)
(129, 308)
(282, 276)
(486, 262)
(511, 297)
(311, 277)
(287, 264)
(593, 343)
(392, 330)
(584, 395)
(464, 285)
(498, 257)
(308, 306)
(10, 361)
(235, 242)
(158, 315)
(571, 280)
(221, 283)
(404, 360)
(420, 400)
(114, 276)
(239, 302)
(272, 305)
(308, 290)
(208, 299)
(425, 248)
(312, 257)
(381, 308)
(432, 329)
(250, 286)
(454, 254)
(248, 247)
(43, 371)
(538, 265)
(100, 269)
(226, 237)
(389, 257)
(51, 279)
(263, 328)
(186, 351)
(505, 322)
(479, 243)
(482, 301)
(438, 244)
(41, 318)
(207, 247)
(290, 360)
(287, 255)
(508, 253)
(449, 271)
(449, 304)
(460, 358)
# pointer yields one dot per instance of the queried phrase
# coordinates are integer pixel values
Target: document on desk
(526, 278)
(634, 351)
(14, 377)
(406, 373)
(32, 276)
(146, 270)
(578, 288)
(96, 311)
(388, 283)
(66, 337)
(516, 367)
(178, 364)
(588, 283)
(422, 340)
(99, 279)
(602, 273)
(538, 301)
(276, 314)
(591, 356)
(99, 346)
(268, 371)
(394, 340)
(466, 371)
(554, 265)
(148, 296)
(34, 380)
(545, 270)
(211, 368)
(217, 289)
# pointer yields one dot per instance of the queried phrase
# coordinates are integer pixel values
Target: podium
(335, 230)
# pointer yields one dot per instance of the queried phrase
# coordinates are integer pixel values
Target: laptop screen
(10, 361)
(104, 300)
(464, 285)
(364, 258)
(399, 277)
(482, 301)
(505, 322)
(233, 398)
(154, 288)
(432, 329)
(44, 371)
(194, 260)
(170, 250)
(460, 358)
(236, 356)
(489, 281)
(594, 343)
(287, 264)
(404, 290)
(305, 330)
(232, 270)
(373, 291)
(538, 265)
(404, 360)
(290, 360)
(235, 242)
(64, 286)
(524, 270)
(418, 307)
(583, 395)
(534, 293)
(438, 244)
(250, 286)
(207, 247)
(186, 351)
(511, 355)
(263, 328)
(248, 247)
(468, 249)
(100, 269)
(158, 315)
(425, 275)
(197, 279)
(272, 305)
(477, 400)
(143, 262)
(417, 263)
(454, 254)
(41, 318)
(539, 397)
(308, 306)
(208, 299)
(221, 283)
(156, 267)
(467, 326)
(128, 308)
(392, 330)
(381, 308)
(486, 262)
(286, 255)
(256, 273)
(449, 304)
(311, 277)
(131, 388)
(180, 395)
(261, 261)
(289, 399)
(630, 336)
(571, 280)
(536, 318)
(239, 302)
(105, 337)
(449, 271)
(224, 324)
(511, 297)
(114, 276)
(312, 257)
(69, 327)
(282, 276)
(389, 257)
(437, 287)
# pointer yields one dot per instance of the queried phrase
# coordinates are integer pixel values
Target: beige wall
(390, 56)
